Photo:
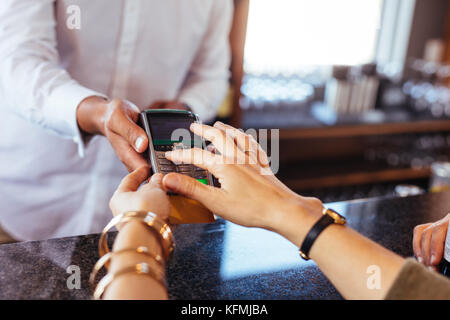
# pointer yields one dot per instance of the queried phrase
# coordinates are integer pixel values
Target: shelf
(301, 124)
(355, 178)
(366, 130)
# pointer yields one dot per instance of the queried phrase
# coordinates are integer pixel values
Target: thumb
(191, 188)
(133, 180)
(127, 127)
(156, 180)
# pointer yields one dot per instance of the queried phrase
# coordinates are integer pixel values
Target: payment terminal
(168, 130)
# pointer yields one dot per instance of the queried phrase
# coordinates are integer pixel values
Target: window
(293, 36)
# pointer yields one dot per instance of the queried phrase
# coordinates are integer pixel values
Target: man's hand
(173, 104)
(116, 120)
(429, 242)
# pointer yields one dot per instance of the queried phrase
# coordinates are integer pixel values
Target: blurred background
(360, 91)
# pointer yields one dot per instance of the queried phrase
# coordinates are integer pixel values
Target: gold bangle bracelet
(103, 242)
(149, 219)
(104, 261)
(140, 268)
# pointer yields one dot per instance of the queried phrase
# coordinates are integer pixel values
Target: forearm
(133, 286)
(347, 258)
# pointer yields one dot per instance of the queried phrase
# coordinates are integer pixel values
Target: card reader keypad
(167, 166)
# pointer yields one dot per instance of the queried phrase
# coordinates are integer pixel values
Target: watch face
(338, 219)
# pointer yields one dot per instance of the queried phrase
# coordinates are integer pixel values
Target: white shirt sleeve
(207, 81)
(32, 84)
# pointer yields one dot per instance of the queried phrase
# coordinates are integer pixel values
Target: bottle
(444, 267)
(338, 89)
(371, 83)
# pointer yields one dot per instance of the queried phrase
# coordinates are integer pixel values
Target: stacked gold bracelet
(150, 220)
(140, 268)
(156, 225)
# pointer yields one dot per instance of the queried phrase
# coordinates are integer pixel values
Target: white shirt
(51, 184)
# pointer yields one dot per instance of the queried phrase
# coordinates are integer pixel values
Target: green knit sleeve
(415, 281)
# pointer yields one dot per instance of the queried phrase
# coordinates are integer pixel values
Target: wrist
(135, 234)
(132, 235)
(90, 114)
(296, 217)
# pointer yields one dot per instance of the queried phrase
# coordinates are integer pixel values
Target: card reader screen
(170, 129)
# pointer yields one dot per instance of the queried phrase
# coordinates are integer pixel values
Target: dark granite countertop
(219, 260)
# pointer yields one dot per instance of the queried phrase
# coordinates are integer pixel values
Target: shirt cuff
(61, 111)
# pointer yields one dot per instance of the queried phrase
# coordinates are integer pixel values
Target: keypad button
(165, 162)
(160, 155)
(204, 181)
(166, 168)
(184, 168)
(201, 175)
(179, 146)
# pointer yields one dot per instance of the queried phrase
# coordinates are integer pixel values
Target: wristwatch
(329, 217)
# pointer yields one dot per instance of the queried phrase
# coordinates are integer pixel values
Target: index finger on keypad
(246, 142)
(219, 139)
(196, 156)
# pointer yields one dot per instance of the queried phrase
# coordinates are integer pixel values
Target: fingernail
(433, 258)
(420, 259)
(157, 177)
(430, 268)
(171, 181)
(219, 123)
(168, 154)
(139, 142)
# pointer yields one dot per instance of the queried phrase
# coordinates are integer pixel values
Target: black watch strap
(312, 235)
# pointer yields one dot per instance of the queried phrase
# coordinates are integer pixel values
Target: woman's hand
(429, 242)
(250, 195)
(246, 144)
(150, 196)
